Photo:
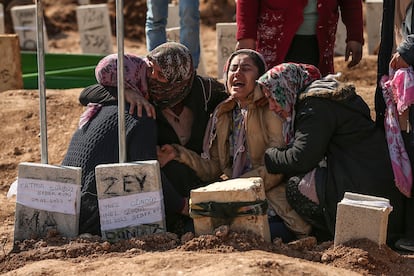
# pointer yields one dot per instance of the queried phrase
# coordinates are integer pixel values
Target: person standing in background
(156, 22)
(396, 30)
(300, 31)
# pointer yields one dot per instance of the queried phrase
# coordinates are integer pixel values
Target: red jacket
(273, 24)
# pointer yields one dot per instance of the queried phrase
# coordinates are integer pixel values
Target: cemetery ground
(162, 254)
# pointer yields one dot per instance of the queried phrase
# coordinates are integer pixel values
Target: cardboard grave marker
(362, 216)
(245, 196)
(130, 200)
(226, 43)
(94, 29)
(173, 34)
(373, 15)
(10, 67)
(2, 29)
(48, 198)
(24, 24)
(173, 16)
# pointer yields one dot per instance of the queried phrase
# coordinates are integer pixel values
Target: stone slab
(340, 44)
(48, 198)
(173, 16)
(226, 44)
(2, 28)
(25, 26)
(94, 29)
(234, 190)
(373, 17)
(130, 199)
(173, 34)
(10, 67)
(362, 216)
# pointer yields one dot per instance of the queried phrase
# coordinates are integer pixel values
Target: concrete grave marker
(226, 43)
(244, 196)
(173, 34)
(173, 16)
(340, 44)
(48, 198)
(25, 26)
(94, 29)
(362, 216)
(373, 15)
(130, 200)
(2, 30)
(10, 67)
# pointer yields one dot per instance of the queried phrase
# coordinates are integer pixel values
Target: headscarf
(176, 65)
(285, 81)
(135, 73)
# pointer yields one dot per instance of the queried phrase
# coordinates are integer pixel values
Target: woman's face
(155, 72)
(241, 77)
(273, 105)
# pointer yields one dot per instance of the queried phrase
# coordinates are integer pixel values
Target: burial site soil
(164, 254)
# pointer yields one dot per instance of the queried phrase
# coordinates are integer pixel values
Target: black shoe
(405, 244)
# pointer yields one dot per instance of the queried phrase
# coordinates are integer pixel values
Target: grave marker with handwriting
(130, 200)
(94, 29)
(25, 26)
(226, 43)
(48, 198)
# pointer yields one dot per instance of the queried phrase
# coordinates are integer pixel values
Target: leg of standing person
(190, 27)
(156, 22)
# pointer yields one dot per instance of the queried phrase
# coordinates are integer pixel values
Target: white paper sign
(47, 195)
(130, 210)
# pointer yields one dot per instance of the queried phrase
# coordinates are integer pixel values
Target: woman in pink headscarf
(333, 146)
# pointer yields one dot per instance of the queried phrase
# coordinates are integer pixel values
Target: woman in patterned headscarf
(179, 100)
(333, 146)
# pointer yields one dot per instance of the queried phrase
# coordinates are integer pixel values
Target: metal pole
(120, 69)
(41, 81)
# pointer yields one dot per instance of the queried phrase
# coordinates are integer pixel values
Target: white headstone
(173, 16)
(340, 44)
(1, 19)
(48, 198)
(226, 44)
(130, 200)
(362, 217)
(173, 34)
(373, 15)
(94, 29)
(84, 2)
(24, 23)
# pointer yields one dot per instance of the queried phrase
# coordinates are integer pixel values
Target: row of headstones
(130, 203)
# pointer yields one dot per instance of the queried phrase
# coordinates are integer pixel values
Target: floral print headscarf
(176, 65)
(135, 72)
(285, 82)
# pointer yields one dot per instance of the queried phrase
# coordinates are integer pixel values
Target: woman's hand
(138, 101)
(398, 62)
(165, 154)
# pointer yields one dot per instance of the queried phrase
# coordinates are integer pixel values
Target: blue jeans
(156, 22)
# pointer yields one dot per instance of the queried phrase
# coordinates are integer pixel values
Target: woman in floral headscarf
(240, 130)
(333, 146)
(169, 90)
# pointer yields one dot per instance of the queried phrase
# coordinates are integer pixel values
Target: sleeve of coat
(247, 15)
(206, 169)
(351, 14)
(314, 127)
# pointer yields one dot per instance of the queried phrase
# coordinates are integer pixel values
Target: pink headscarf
(135, 72)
